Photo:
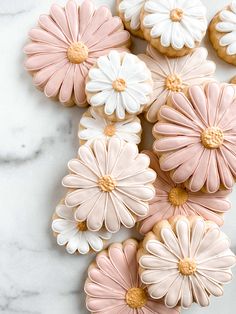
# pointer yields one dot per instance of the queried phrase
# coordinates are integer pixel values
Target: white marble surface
(38, 137)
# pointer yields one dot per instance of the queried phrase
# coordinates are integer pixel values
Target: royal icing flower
(113, 284)
(119, 85)
(66, 44)
(227, 26)
(186, 261)
(111, 183)
(172, 75)
(176, 23)
(75, 235)
(92, 126)
(131, 9)
(173, 199)
(196, 137)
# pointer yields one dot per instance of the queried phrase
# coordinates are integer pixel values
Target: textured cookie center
(178, 196)
(176, 15)
(212, 137)
(77, 52)
(119, 85)
(136, 298)
(82, 226)
(110, 130)
(174, 83)
(106, 184)
(187, 266)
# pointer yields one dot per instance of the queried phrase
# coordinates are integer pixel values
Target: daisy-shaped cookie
(119, 86)
(110, 184)
(173, 199)
(113, 284)
(130, 11)
(66, 44)
(174, 27)
(75, 235)
(92, 126)
(196, 137)
(222, 33)
(186, 261)
(172, 75)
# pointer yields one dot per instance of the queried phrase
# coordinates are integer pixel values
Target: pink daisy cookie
(173, 199)
(171, 75)
(113, 285)
(185, 261)
(196, 137)
(110, 184)
(67, 43)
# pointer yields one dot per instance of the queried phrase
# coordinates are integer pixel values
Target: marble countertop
(38, 137)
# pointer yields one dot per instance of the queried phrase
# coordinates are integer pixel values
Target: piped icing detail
(227, 26)
(120, 83)
(93, 126)
(171, 200)
(132, 10)
(67, 43)
(175, 74)
(186, 261)
(75, 235)
(177, 23)
(113, 284)
(108, 188)
(197, 137)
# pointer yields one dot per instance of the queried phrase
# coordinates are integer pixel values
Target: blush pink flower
(196, 137)
(66, 44)
(173, 199)
(113, 285)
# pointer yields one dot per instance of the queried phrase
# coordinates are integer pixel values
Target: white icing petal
(131, 10)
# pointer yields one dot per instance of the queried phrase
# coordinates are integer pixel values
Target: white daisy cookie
(75, 235)
(174, 27)
(119, 86)
(185, 261)
(222, 32)
(130, 11)
(110, 184)
(92, 127)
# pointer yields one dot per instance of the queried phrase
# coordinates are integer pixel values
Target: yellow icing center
(110, 130)
(174, 83)
(77, 52)
(187, 266)
(82, 226)
(212, 137)
(178, 196)
(106, 184)
(119, 85)
(136, 298)
(176, 15)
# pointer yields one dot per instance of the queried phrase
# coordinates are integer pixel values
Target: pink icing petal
(224, 171)
(86, 155)
(47, 23)
(67, 86)
(227, 101)
(79, 196)
(167, 144)
(130, 252)
(87, 206)
(230, 158)
(79, 85)
(97, 214)
(198, 99)
(143, 193)
(75, 181)
(172, 129)
(114, 40)
(59, 16)
(112, 221)
(212, 202)
(98, 290)
(86, 12)
(37, 62)
(40, 35)
(54, 83)
(213, 179)
(71, 10)
(34, 48)
(152, 114)
(105, 305)
(100, 153)
(206, 213)
(213, 94)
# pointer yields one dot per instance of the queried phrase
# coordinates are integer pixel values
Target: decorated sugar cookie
(174, 27)
(119, 86)
(173, 199)
(172, 75)
(110, 183)
(233, 80)
(186, 261)
(196, 137)
(113, 284)
(92, 126)
(75, 235)
(130, 11)
(222, 33)
(65, 45)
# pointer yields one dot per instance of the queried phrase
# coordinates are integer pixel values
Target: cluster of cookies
(175, 194)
